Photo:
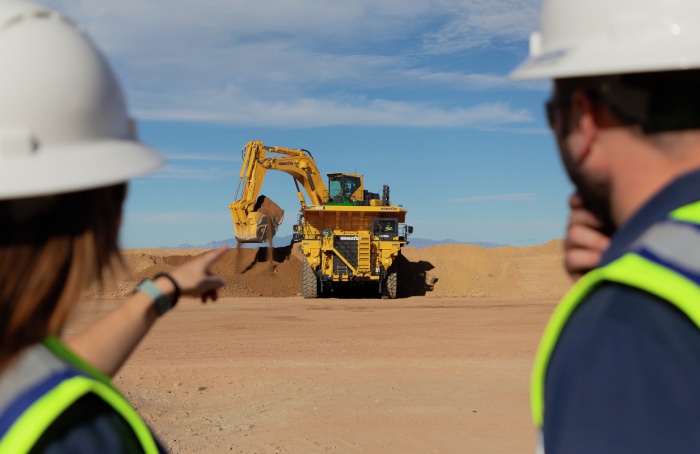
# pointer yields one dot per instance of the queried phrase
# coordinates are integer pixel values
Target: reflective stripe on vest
(38, 405)
(665, 262)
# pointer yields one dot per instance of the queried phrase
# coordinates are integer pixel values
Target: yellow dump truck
(348, 235)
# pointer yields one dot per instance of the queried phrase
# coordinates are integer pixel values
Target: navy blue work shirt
(90, 426)
(625, 374)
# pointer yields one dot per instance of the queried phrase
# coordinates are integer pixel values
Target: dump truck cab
(386, 229)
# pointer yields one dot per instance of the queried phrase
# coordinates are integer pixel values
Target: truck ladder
(363, 254)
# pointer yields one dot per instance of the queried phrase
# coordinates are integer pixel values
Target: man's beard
(593, 190)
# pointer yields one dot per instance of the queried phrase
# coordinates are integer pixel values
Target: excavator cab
(344, 189)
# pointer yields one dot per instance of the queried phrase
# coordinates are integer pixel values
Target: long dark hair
(51, 248)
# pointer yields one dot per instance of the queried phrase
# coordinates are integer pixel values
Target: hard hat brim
(75, 167)
(606, 58)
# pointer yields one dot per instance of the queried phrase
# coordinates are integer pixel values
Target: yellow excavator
(348, 235)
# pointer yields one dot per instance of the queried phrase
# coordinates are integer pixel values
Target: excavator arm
(256, 217)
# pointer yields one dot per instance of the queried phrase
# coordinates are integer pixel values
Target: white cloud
(180, 172)
(175, 218)
(528, 131)
(315, 112)
(214, 22)
(201, 157)
(306, 62)
(466, 81)
(499, 197)
(475, 23)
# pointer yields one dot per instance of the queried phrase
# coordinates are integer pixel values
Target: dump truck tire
(309, 281)
(389, 289)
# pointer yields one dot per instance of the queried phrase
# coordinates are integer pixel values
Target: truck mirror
(410, 229)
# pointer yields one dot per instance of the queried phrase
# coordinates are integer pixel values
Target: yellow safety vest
(671, 239)
(24, 420)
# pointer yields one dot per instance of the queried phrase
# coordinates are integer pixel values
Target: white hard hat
(64, 126)
(605, 37)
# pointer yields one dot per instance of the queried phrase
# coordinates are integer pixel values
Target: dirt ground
(444, 369)
(451, 270)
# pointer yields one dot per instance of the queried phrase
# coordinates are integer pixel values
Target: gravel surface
(444, 369)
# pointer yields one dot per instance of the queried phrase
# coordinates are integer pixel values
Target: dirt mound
(468, 270)
(440, 271)
(248, 271)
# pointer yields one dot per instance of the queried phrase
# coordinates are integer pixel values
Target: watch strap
(162, 303)
(176, 292)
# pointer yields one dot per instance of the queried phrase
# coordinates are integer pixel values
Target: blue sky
(409, 93)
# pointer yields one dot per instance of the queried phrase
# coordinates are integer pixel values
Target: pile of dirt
(473, 271)
(259, 272)
(455, 270)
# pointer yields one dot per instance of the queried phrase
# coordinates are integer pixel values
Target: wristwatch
(162, 302)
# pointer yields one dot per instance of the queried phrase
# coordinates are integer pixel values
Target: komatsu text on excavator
(348, 235)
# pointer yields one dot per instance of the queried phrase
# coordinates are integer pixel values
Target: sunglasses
(553, 104)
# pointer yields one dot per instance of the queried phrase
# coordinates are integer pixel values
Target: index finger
(212, 256)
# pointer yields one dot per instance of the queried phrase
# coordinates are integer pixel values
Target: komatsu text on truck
(348, 235)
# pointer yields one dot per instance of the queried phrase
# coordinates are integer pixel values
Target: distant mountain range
(424, 242)
(285, 240)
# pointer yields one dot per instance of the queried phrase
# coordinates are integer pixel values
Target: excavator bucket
(260, 224)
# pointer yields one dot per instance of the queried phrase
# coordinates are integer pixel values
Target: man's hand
(585, 243)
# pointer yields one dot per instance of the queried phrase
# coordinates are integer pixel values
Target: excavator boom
(256, 217)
